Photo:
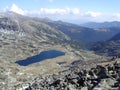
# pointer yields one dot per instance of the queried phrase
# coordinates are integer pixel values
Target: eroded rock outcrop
(99, 78)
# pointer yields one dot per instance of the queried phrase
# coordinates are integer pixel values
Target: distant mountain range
(83, 34)
(109, 48)
(102, 25)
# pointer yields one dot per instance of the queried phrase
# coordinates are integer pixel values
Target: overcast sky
(77, 11)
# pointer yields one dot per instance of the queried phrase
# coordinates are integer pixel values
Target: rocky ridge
(100, 77)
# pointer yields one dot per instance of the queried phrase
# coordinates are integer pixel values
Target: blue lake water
(40, 57)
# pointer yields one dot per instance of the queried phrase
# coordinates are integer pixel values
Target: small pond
(40, 57)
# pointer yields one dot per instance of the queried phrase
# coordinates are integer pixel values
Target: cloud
(116, 15)
(93, 14)
(60, 11)
(54, 11)
(16, 9)
(66, 14)
(67, 11)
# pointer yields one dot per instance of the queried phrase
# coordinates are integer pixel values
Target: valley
(25, 38)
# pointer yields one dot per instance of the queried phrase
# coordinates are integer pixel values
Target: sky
(75, 11)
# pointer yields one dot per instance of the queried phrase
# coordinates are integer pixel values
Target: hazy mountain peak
(102, 24)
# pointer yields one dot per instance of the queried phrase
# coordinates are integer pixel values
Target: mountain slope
(83, 34)
(110, 47)
(22, 36)
(116, 37)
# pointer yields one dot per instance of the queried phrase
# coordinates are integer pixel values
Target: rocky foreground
(101, 77)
